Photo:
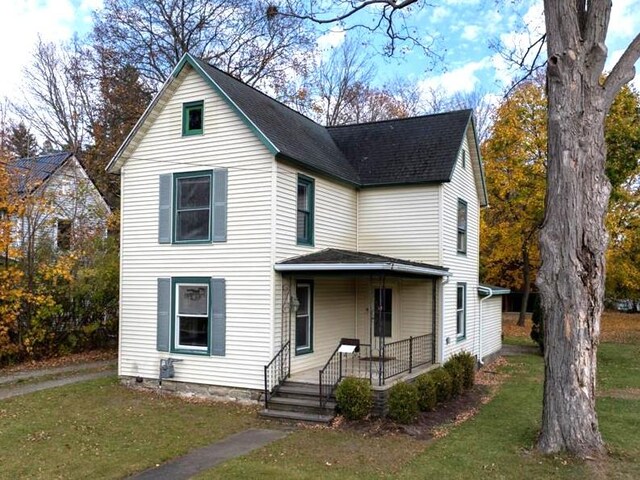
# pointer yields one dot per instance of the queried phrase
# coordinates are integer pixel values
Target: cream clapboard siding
(334, 227)
(463, 267)
(334, 214)
(333, 319)
(411, 313)
(245, 260)
(400, 222)
(491, 325)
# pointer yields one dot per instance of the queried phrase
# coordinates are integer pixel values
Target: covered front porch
(355, 314)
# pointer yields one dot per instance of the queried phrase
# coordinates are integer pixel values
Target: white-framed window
(462, 227)
(192, 314)
(304, 317)
(461, 310)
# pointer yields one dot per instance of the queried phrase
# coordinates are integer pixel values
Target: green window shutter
(163, 340)
(164, 213)
(218, 316)
(220, 179)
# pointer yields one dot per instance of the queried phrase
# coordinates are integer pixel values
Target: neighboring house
(253, 240)
(60, 203)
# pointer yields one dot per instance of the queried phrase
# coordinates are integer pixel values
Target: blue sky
(462, 30)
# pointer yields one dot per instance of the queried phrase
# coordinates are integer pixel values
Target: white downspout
(490, 292)
(443, 282)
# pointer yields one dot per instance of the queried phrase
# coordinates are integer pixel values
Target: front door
(304, 318)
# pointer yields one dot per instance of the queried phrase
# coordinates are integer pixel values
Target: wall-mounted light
(295, 304)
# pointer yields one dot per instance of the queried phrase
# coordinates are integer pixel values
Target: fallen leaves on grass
(67, 360)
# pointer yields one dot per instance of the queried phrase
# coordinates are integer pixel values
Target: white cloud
(470, 32)
(23, 21)
(439, 13)
(463, 79)
(332, 39)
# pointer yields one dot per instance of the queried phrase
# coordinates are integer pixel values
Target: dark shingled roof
(297, 137)
(345, 257)
(33, 171)
(411, 150)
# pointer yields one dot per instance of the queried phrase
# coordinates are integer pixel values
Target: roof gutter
(348, 267)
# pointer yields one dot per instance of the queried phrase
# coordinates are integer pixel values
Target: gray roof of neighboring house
(420, 149)
(334, 259)
(33, 171)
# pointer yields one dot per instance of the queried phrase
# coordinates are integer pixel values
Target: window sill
(304, 351)
(461, 338)
(182, 351)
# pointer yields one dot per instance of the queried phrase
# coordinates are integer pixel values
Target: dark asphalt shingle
(339, 256)
(33, 171)
(412, 150)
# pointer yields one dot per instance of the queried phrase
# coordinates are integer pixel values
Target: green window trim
(177, 177)
(174, 344)
(188, 110)
(305, 213)
(303, 350)
(461, 311)
(462, 227)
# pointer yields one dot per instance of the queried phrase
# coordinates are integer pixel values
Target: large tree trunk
(573, 243)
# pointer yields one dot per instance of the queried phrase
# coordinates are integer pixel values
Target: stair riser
(301, 408)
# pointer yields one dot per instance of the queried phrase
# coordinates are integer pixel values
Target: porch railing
(405, 355)
(342, 365)
(276, 372)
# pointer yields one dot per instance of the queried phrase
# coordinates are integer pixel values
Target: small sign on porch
(349, 345)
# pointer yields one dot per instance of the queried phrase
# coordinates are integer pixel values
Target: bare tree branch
(623, 71)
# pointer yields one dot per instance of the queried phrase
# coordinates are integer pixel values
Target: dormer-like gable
(414, 150)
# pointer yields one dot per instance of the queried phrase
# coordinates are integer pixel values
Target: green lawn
(496, 444)
(99, 429)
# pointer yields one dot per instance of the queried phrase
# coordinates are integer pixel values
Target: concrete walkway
(16, 390)
(207, 457)
(81, 372)
(31, 374)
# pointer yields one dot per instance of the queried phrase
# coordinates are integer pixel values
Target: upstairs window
(192, 218)
(462, 226)
(305, 210)
(192, 118)
(464, 159)
(63, 234)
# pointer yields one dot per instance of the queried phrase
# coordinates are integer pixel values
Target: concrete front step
(309, 405)
(296, 416)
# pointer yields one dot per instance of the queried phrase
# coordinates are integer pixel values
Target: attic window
(464, 159)
(192, 118)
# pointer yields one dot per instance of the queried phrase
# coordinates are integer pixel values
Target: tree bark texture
(573, 239)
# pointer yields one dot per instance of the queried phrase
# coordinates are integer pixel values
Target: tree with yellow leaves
(515, 158)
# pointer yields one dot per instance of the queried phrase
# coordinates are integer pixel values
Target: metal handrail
(330, 369)
(276, 371)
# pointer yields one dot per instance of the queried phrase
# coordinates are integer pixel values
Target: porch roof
(336, 260)
(484, 290)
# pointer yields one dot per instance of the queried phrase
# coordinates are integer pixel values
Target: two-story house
(61, 205)
(258, 245)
